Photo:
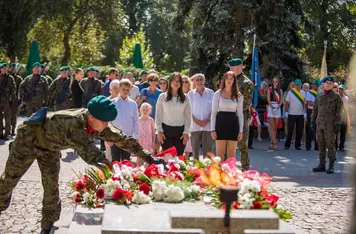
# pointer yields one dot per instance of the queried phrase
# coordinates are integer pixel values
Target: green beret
(316, 82)
(298, 82)
(43, 66)
(97, 70)
(36, 64)
(101, 108)
(68, 67)
(329, 78)
(3, 65)
(91, 69)
(143, 72)
(64, 68)
(342, 86)
(235, 62)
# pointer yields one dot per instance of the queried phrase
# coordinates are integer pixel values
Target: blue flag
(255, 75)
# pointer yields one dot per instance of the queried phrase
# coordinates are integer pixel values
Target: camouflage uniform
(59, 94)
(7, 95)
(327, 114)
(49, 79)
(91, 88)
(246, 88)
(34, 90)
(61, 130)
(15, 104)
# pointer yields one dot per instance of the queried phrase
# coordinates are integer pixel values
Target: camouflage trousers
(14, 112)
(243, 146)
(23, 153)
(5, 113)
(325, 136)
(32, 107)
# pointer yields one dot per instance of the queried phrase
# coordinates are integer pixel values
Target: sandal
(275, 146)
(271, 146)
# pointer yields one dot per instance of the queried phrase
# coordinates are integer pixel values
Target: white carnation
(207, 162)
(245, 200)
(141, 198)
(126, 187)
(173, 194)
(217, 159)
(250, 185)
(158, 189)
(88, 198)
(195, 189)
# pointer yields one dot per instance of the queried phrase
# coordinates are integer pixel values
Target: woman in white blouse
(227, 120)
(173, 115)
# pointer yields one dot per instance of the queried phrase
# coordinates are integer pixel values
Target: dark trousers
(297, 120)
(250, 135)
(343, 130)
(310, 135)
(118, 154)
(173, 135)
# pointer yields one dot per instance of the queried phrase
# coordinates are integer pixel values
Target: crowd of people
(180, 111)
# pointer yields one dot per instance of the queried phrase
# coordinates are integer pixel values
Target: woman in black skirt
(227, 120)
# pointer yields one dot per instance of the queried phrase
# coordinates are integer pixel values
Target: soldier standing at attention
(310, 99)
(7, 95)
(15, 104)
(246, 88)
(91, 86)
(44, 135)
(59, 93)
(326, 119)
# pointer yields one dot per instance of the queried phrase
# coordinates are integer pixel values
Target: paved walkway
(321, 203)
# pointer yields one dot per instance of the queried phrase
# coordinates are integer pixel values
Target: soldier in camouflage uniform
(246, 88)
(326, 118)
(91, 86)
(15, 104)
(7, 95)
(43, 139)
(59, 94)
(44, 71)
(33, 90)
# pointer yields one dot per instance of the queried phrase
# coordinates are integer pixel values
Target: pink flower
(145, 188)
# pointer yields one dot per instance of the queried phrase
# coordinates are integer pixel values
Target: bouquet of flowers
(126, 184)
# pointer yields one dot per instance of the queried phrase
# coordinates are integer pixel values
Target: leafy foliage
(127, 50)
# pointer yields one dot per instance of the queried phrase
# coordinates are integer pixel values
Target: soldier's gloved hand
(337, 128)
(156, 161)
(313, 126)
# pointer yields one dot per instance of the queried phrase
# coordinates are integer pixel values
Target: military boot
(1, 136)
(331, 167)
(13, 131)
(47, 231)
(320, 168)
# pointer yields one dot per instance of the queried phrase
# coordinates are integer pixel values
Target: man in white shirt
(201, 103)
(134, 91)
(295, 112)
(126, 119)
(310, 99)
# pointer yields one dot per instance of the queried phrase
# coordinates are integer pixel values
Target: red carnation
(194, 172)
(77, 198)
(136, 179)
(128, 195)
(257, 205)
(100, 193)
(145, 188)
(118, 194)
(272, 200)
(80, 185)
(115, 178)
(236, 205)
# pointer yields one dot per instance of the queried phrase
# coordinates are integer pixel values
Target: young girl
(147, 129)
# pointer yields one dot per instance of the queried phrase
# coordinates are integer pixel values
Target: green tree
(17, 18)
(69, 14)
(127, 50)
(111, 50)
(136, 14)
(334, 21)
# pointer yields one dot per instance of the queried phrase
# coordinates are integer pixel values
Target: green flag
(33, 57)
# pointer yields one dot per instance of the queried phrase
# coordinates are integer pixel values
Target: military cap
(235, 62)
(16, 64)
(316, 82)
(63, 68)
(68, 67)
(298, 81)
(3, 65)
(342, 86)
(43, 66)
(101, 108)
(36, 64)
(97, 70)
(329, 78)
(91, 69)
(143, 72)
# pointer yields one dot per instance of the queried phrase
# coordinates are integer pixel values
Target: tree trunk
(67, 33)
(239, 32)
